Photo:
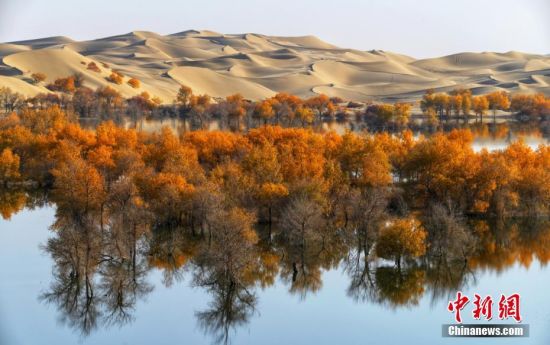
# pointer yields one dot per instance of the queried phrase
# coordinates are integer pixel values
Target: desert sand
(258, 66)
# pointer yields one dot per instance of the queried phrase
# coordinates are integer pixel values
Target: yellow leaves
(285, 98)
(400, 238)
(101, 157)
(264, 110)
(63, 85)
(301, 155)
(174, 183)
(135, 83)
(499, 100)
(235, 106)
(273, 191)
(78, 186)
(402, 113)
(332, 144)
(384, 112)
(115, 77)
(9, 166)
(11, 202)
(200, 102)
(43, 121)
(184, 95)
(165, 153)
(168, 195)
(271, 163)
(305, 114)
(516, 178)
(376, 167)
(74, 133)
(398, 113)
(262, 161)
(364, 160)
(243, 220)
(216, 146)
(443, 164)
(107, 133)
(481, 206)
(481, 105)
(321, 104)
(463, 137)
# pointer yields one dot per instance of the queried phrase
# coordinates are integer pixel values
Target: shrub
(38, 77)
(115, 78)
(63, 85)
(93, 67)
(133, 82)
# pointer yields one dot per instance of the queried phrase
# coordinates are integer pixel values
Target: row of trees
(236, 112)
(295, 177)
(442, 167)
(462, 102)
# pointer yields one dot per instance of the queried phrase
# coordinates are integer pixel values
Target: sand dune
(209, 82)
(258, 66)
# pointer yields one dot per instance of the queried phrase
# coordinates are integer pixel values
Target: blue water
(167, 314)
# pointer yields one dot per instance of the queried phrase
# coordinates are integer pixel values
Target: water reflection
(98, 275)
(487, 134)
(102, 266)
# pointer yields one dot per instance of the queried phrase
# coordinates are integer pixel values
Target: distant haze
(420, 28)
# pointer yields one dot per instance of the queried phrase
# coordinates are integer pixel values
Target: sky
(420, 28)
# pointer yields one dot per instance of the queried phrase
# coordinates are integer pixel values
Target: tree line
(283, 109)
(461, 102)
(303, 181)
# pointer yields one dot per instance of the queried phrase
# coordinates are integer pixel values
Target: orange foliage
(66, 85)
(92, 66)
(115, 78)
(133, 82)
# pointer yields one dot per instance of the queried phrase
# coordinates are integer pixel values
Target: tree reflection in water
(101, 265)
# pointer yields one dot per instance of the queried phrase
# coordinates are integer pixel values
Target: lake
(323, 296)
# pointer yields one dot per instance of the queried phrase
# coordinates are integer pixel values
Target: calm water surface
(329, 309)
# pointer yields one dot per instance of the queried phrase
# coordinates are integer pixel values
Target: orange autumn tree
(321, 105)
(270, 194)
(364, 161)
(264, 111)
(183, 97)
(440, 168)
(234, 107)
(9, 167)
(498, 100)
(402, 238)
(480, 105)
(78, 187)
(168, 195)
